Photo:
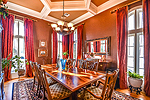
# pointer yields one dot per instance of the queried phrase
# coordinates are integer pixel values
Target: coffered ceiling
(51, 10)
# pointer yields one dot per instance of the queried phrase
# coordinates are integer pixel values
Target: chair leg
(37, 89)
(33, 83)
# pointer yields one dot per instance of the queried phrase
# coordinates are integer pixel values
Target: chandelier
(63, 27)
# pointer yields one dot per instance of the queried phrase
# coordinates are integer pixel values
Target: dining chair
(35, 79)
(71, 63)
(37, 73)
(94, 92)
(80, 63)
(91, 65)
(55, 91)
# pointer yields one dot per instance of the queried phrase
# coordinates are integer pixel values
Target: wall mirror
(99, 46)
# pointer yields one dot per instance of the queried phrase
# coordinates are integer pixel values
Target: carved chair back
(109, 85)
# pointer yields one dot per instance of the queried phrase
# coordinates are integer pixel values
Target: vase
(63, 63)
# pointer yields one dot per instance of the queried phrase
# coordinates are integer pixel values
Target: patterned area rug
(23, 91)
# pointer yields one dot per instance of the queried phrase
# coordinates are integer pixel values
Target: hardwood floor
(8, 90)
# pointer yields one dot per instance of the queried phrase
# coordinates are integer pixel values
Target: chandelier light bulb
(72, 28)
(58, 29)
(53, 25)
(70, 25)
(65, 29)
(60, 23)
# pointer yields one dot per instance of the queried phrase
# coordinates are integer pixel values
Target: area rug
(23, 91)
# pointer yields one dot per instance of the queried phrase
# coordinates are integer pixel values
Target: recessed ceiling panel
(73, 14)
(31, 4)
(65, 0)
(99, 2)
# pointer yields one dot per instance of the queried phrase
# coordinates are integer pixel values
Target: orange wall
(103, 25)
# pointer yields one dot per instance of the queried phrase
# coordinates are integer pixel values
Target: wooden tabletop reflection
(72, 78)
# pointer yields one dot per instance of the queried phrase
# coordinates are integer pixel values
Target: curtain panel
(79, 41)
(65, 45)
(71, 36)
(29, 46)
(146, 29)
(7, 42)
(122, 32)
(55, 46)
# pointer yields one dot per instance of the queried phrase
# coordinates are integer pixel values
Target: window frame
(136, 32)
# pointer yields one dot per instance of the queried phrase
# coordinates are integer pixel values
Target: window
(75, 45)
(59, 37)
(135, 58)
(18, 41)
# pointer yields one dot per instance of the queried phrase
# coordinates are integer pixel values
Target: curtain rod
(23, 17)
(124, 6)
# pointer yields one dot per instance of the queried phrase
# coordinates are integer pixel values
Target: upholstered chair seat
(50, 81)
(97, 91)
(58, 91)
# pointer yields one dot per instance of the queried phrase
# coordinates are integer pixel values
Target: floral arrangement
(134, 75)
(3, 8)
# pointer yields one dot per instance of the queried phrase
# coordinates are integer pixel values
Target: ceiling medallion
(63, 27)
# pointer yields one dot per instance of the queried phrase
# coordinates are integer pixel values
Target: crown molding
(108, 4)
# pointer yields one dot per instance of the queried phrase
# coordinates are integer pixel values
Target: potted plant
(6, 62)
(16, 61)
(3, 8)
(135, 81)
(63, 61)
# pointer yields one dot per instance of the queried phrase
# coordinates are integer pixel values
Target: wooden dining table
(72, 78)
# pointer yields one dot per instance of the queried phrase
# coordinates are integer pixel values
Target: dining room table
(73, 78)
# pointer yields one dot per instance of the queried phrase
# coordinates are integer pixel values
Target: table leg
(74, 95)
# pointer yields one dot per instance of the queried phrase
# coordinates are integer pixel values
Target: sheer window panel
(141, 72)
(139, 18)
(131, 69)
(131, 40)
(15, 28)
(131, 51)
(130, 62)
(15, 46)
(131, 21)
(21, 28)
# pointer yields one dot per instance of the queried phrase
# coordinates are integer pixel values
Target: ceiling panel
(99, 2)
(31, 4)
(65, 0)
(73, 14)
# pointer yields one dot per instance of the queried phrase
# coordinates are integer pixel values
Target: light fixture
(63, 27)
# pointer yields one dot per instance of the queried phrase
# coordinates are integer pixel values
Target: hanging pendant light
(61, 27)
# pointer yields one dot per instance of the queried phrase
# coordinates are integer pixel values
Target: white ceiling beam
(87, 3)
(45, 12)
(29, 12)
(92, 8)
(82, 18)
(68, 5)
(108, 4)
(70, 9)
(46, 3)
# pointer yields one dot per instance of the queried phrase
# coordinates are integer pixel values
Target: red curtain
(7, 41)
(89, 46)
(94, 46)
(55, 46)
(122, 32)
(29, 46)
(146, 28)
(98, 46)
(65, 45)
(71, 45)
(79, 41)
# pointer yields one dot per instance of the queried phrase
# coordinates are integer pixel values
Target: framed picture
(42, 43)
(42, 52)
